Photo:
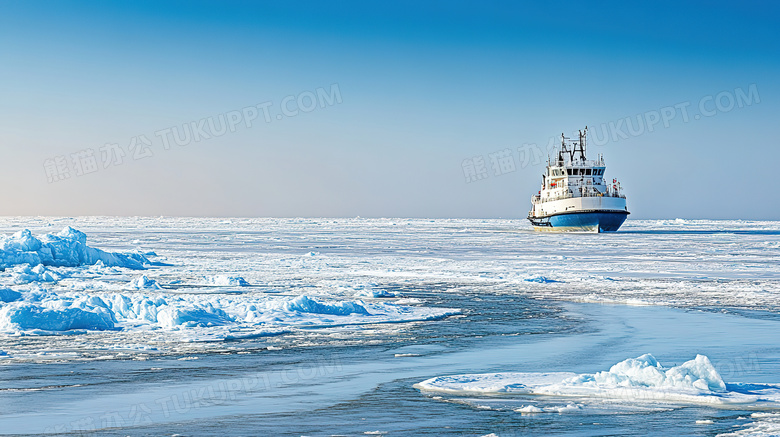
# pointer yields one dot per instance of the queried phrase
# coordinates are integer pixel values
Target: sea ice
(305, 304)
(765, 425)
(251, 314)
(529, 409)
(28, 316)
(24, 274)
(194, 316)
(67, 248)
(8, 295)
(541, 280)
(640, 379)
(645, 371)
(143, 283)
(225, 281)
(371, 291)
(375, 293)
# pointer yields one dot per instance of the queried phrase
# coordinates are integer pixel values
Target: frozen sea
(324, 327)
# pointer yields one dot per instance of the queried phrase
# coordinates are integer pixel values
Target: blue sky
(423, 86)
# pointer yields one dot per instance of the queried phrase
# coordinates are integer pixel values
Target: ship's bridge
(576, 178)
(571, 174)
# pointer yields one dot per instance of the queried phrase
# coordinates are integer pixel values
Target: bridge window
(568, 170)
(587, 172)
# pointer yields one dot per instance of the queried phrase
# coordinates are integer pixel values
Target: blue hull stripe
(586, 222)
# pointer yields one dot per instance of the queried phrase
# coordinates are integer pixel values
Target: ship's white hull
(574, 204)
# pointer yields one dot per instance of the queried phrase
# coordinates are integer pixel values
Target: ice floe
(67, 248)
(375, 293)
(8, 295)
(190, 316)
(541, 280)
(24, 274)
(57, 285)
(224, 281)
(28, 312)
(641, 379)
(143, 283)
(31, 317)
(764, 424)
(404, 264)
(304, 304)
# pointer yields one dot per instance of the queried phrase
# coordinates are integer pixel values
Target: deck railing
(586, 193)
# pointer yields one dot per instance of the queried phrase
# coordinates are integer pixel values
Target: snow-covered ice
(641, 379)
(220, 270)
(224, 281)
(34, 312)
(67, 248)
(57, 285)
(764, 425)
(143, 283)
(220, 298)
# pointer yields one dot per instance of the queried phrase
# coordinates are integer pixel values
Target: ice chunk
(645, 371)
(305, 304)
(8, 295)
(225, 281)
(24, 274)
(372, 290)
(641, 379)
(529, 409)
(765, 424)
(27, 316)
(374, 293)
(699, 373)
(67, 248)
(541, 280)
(196, 316)
(143, 283)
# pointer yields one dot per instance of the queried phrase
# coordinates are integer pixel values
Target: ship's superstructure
(574, 194)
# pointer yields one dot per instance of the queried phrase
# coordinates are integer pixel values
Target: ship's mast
(565, 149)
(583, 135)
(572, 148)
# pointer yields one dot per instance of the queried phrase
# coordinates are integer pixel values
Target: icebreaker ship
(574, 194)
